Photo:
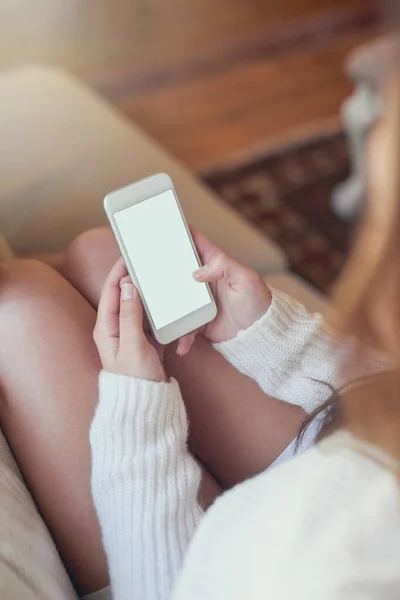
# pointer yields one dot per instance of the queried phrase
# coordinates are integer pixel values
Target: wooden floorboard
(207, 121)
(223, 48)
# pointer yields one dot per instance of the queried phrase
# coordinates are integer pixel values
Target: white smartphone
(160, 255)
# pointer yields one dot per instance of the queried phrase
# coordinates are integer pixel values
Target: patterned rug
(287, 194)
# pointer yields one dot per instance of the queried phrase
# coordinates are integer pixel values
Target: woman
(326, 524)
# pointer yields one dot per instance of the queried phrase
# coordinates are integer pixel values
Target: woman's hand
(241, 295)
(122, 344)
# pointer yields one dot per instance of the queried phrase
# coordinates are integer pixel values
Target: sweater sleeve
(293, 355)
(144, 484)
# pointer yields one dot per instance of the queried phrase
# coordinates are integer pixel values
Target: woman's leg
(88, 261)
(48, 382)
(48, 392)
(236, 430)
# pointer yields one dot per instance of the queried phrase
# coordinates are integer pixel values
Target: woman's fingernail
(202, 272)
(127, 291)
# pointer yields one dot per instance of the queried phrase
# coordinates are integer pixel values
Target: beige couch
(62, 149)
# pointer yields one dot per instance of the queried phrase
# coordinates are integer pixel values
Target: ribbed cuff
(272, 334)
(134, 412)
(280, 351)
(144, 483)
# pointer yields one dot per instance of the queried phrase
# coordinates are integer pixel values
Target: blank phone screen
(161, 254)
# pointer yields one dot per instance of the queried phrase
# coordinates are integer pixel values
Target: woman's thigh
(236, 430)
(48, 381)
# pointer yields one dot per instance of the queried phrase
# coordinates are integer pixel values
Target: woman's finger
(186, 342)
(207, 274)
(224, 267)
(107, 325)
(218, 264)
(146, 324)
(205, 247)
(215, 270)
(131, 333)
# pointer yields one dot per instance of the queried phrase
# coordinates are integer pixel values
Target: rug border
(275, 145)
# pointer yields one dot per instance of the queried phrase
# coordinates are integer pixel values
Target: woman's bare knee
(37, 306)
(90, 241)
(88, 249)
(35, 301)
(88, 261)
(23, 279)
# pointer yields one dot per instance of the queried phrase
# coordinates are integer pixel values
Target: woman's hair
(367, 297)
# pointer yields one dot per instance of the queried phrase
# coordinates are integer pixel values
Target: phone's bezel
(135, 193)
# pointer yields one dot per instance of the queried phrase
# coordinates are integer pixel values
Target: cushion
(30, 567)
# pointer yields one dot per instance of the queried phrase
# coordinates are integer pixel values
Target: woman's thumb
(130, 314)
(214, 271)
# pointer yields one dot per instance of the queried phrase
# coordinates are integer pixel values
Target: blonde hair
(368, 294)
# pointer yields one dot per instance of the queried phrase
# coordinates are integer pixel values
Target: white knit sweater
(323, 525)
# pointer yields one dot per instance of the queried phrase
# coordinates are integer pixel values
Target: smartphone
(160, 255)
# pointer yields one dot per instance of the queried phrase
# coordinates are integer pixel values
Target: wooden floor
(210, 79)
